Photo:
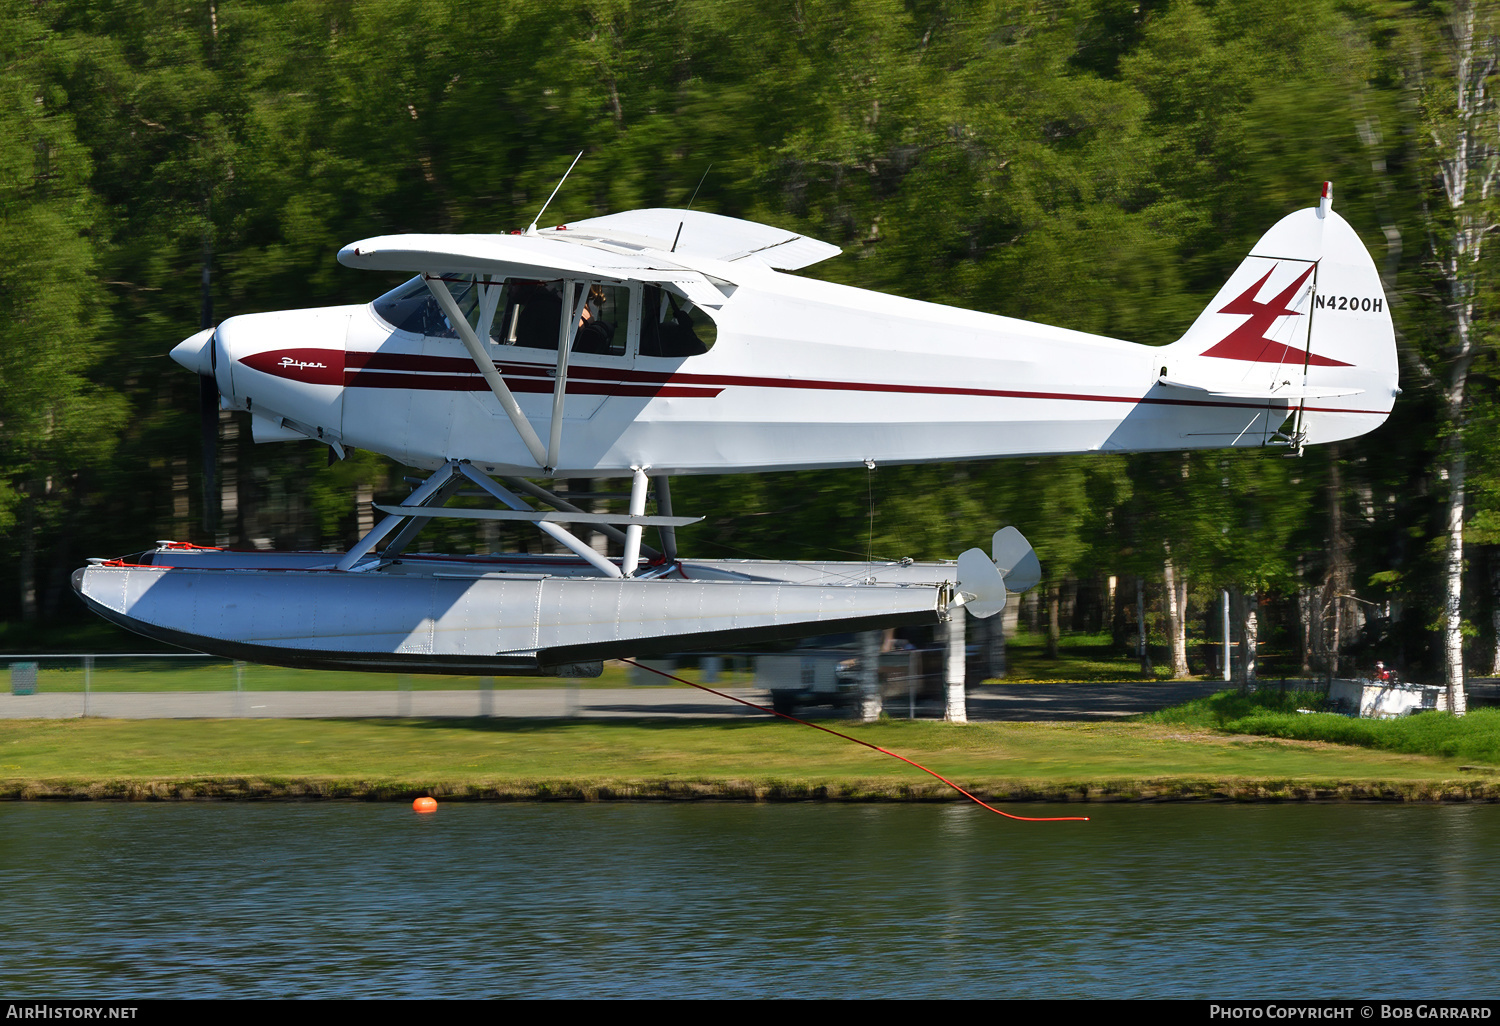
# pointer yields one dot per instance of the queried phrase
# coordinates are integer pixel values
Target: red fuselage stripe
(475, 383)
(459, 374)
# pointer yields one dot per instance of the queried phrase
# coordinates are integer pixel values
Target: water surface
(116, 900)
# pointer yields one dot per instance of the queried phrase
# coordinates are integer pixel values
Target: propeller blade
(981, 584)
(1016, 559)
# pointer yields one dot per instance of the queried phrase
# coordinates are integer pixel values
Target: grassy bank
(508, 759)
(1471, 739)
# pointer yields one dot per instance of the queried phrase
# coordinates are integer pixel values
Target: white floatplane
(655, 343)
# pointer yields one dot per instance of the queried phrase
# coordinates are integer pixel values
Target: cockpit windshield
(411, 307)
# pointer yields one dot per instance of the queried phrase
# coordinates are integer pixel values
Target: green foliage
(1224, 708)
(1270, 713)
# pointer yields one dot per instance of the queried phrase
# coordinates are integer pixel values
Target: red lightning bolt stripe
(1249, 342)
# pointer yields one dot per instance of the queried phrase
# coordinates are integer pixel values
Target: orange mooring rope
(883, 751)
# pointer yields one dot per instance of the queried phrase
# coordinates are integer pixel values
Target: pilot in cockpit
(594, 332)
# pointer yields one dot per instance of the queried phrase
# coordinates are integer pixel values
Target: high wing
(694, 235)
(699, 253)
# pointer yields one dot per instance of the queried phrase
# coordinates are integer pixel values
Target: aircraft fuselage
(803, 374)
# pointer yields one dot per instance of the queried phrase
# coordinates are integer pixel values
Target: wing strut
(487, 368)
(566, 333)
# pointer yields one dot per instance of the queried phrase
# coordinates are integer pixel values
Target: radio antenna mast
(700, 185)
(564, 178)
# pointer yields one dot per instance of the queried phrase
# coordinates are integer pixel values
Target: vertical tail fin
(1303, 318)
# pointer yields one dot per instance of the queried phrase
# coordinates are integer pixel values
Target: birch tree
(1454, 81)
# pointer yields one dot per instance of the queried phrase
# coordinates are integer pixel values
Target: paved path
(1016, 703)
(1087, 702)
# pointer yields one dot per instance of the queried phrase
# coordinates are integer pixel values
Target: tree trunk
(1453, 564)
(1248, 602)
(229, 524)
(1462, 125)
(1176, 585)
(1494, 567)
(27, 558)
(1336, 584)
(1144, 650)
(1054, 628)
(1180, 665)
(1068, 605)
(994, 644)
(1008, 622)
(1305, 621)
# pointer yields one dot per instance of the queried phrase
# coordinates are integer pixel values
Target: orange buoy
(425, 805)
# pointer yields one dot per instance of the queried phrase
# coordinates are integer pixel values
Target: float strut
(423, 493)
(632, 558)
(561, 535)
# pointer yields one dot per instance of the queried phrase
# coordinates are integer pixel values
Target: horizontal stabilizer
(1282, 390)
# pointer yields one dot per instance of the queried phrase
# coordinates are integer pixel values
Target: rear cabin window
(673, 326)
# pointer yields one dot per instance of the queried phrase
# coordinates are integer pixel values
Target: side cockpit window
(533, 313)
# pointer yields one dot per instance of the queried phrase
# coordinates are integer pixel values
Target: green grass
(1470, 739)
(527, 758)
